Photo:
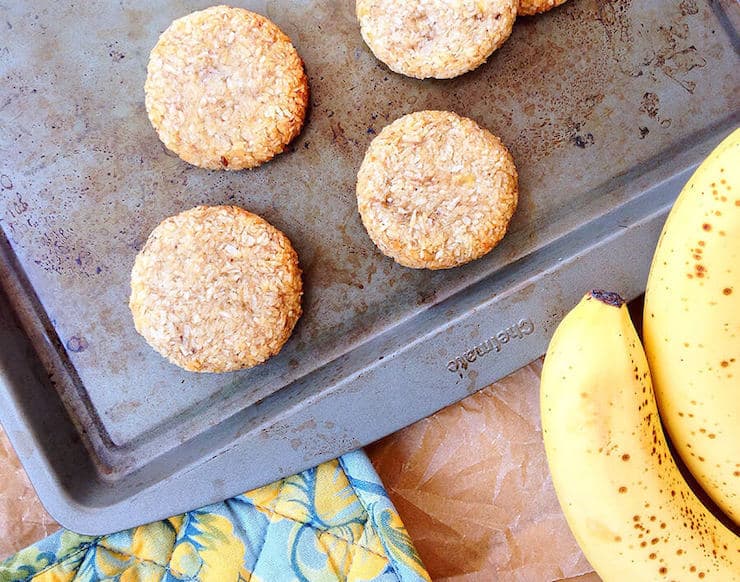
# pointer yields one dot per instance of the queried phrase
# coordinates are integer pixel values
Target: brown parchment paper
(23, 520)
(473, 488)
(471, 484)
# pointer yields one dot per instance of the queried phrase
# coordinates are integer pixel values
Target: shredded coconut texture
(435, 38)
(225, 89)
(529, 7)
(215, 289)
(436, 190)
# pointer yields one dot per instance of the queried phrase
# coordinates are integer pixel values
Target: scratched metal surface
(588, 98)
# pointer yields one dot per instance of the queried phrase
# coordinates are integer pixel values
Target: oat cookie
(225, 89)
(215, 289)
(435, 38)
(435, 190)
(529, 7)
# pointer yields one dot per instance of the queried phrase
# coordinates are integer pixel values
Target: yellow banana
(692, 325)
(625, 500)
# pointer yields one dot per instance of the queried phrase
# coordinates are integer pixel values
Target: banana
(692, 325)
(631, 511)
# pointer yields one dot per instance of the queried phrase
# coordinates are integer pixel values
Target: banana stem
(607, 297)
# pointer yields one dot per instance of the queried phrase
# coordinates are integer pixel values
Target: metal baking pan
(605, 105)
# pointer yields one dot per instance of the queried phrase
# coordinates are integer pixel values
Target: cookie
(436, 190)
(435, 38)
(215, 289)
(529, 7)
(225, 89)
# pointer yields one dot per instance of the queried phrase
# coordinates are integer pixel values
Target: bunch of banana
(624, 497)
(692, 325)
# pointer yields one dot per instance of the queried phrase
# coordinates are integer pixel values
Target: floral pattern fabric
(331, 523)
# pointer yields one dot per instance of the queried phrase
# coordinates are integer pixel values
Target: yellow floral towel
(333, 523)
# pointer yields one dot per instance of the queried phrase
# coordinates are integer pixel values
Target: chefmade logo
(521, 329)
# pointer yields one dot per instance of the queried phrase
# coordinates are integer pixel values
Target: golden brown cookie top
(529, 7)
(435, 38)
(216, 288)
(225, 88)
(436, 190)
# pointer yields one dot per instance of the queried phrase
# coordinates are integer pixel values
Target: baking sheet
(598, 102)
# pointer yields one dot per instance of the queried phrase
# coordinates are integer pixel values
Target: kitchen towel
(334, 522)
